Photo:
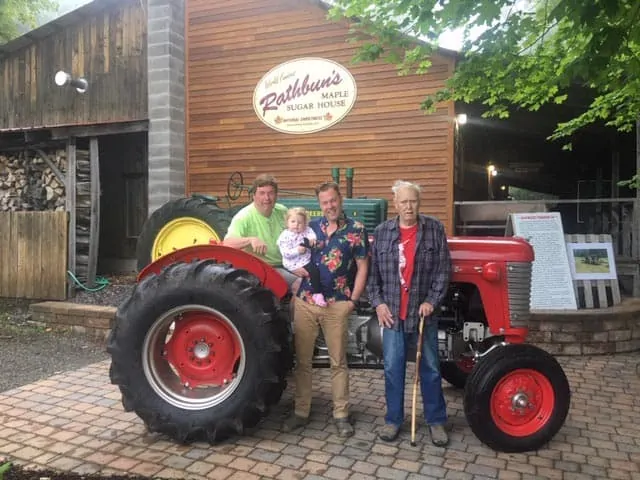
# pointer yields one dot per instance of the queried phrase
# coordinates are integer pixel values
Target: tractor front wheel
(199, 351)
(516, 398)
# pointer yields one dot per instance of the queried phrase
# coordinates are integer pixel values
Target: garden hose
(100, 281)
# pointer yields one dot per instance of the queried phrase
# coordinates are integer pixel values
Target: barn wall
(231, 44)
(107, 48)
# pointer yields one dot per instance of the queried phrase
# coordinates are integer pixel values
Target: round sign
(305, 95)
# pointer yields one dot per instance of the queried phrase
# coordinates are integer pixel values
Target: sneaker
(319, 300)
(294, 422)
(389, 432)
(439, 436)
(345, 429)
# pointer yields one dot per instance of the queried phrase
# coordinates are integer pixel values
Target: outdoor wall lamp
(461, 118)
(62, 78)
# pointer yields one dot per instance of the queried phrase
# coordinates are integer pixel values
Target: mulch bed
(16, 472)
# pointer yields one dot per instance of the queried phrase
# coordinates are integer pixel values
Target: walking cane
(416, 380)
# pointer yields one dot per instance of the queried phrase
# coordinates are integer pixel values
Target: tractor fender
(239, 259)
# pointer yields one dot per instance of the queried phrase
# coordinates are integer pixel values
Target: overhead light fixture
(62, 78)
(461, 118)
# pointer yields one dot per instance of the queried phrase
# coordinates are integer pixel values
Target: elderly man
(409, 276)
(256, 227)
(342, 244)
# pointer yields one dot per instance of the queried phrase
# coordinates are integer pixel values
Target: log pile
(27, 183)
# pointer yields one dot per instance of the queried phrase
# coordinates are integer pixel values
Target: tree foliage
(527, 55)
(17, 16)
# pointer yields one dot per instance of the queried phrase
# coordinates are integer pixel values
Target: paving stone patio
(75, 422)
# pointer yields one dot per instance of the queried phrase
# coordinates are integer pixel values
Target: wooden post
(70, 194)
(94, 226)
(635, 234)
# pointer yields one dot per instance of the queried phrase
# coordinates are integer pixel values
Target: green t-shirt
(248, 222)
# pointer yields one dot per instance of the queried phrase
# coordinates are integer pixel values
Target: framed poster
(592, 261)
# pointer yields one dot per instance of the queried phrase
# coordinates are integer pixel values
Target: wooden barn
(74, 149)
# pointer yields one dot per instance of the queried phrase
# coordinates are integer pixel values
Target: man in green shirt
(257, 226)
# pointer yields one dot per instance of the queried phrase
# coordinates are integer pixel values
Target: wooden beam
(51, 165)
(94, 226)
(70, 205)
(81, 131)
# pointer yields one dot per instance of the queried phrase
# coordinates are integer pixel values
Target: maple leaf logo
(328, 116)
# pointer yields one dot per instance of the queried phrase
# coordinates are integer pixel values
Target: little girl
(294, 243)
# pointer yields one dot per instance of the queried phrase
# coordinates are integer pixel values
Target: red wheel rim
(194, 357)
(522, 402)
(204, 350)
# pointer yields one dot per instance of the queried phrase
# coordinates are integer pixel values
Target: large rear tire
(199, 351)
(181, 223)
(517, 398)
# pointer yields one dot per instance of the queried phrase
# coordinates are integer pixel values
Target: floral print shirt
(335, 258)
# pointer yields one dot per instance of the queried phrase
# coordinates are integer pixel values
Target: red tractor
(202, 348)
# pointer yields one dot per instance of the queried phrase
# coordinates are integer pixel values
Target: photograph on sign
(592, 261)
(304, 95)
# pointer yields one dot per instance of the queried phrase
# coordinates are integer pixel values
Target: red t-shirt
(407, 253)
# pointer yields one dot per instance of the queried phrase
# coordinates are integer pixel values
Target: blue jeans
(394, 344)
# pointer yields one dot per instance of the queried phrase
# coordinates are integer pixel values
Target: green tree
(527, 54)
(18, 16)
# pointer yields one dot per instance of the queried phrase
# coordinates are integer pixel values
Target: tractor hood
(500, 249)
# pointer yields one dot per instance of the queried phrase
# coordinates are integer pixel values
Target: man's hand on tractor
(425, 310)
(384, 315)
(258, 246)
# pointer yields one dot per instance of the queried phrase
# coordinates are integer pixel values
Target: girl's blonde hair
(297, 211)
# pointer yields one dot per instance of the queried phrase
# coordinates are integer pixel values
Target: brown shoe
(345, 429)
(439, 436)
(389, 432)
(293, 422)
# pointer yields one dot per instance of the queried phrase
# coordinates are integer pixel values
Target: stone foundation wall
(588, 332)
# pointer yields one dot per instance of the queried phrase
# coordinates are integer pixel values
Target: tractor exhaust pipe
(349, 176)
(335, 174)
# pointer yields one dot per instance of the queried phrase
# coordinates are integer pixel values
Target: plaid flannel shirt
(431, 273)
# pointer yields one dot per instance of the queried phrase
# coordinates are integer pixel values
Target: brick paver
(75, 421)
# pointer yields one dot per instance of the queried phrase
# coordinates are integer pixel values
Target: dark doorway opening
(124, 186)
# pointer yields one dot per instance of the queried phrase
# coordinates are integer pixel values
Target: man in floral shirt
(343, 246)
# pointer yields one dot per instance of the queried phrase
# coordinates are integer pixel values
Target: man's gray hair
(400, 184)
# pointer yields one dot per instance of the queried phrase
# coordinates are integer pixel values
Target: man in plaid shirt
(408, 277)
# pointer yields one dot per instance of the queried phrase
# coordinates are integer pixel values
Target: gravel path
(29, 353)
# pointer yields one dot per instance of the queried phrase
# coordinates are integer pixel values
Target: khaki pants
(333, 320)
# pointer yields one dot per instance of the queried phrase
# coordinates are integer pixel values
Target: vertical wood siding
(108, 49)
(33, 257)
(231, 44)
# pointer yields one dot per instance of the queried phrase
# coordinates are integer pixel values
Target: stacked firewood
(28, 183)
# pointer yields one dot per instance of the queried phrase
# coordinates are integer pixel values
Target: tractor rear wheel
(516, 399)
(199, 351)
(181, 223)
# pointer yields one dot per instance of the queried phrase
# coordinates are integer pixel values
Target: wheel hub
(520, 401)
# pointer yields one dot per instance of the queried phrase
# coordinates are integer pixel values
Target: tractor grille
(519, 283)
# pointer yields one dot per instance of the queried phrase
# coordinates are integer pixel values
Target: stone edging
(91, 320)
(604, 331)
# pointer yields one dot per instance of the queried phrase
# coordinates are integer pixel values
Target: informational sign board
(304, 95)
(551, 283)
